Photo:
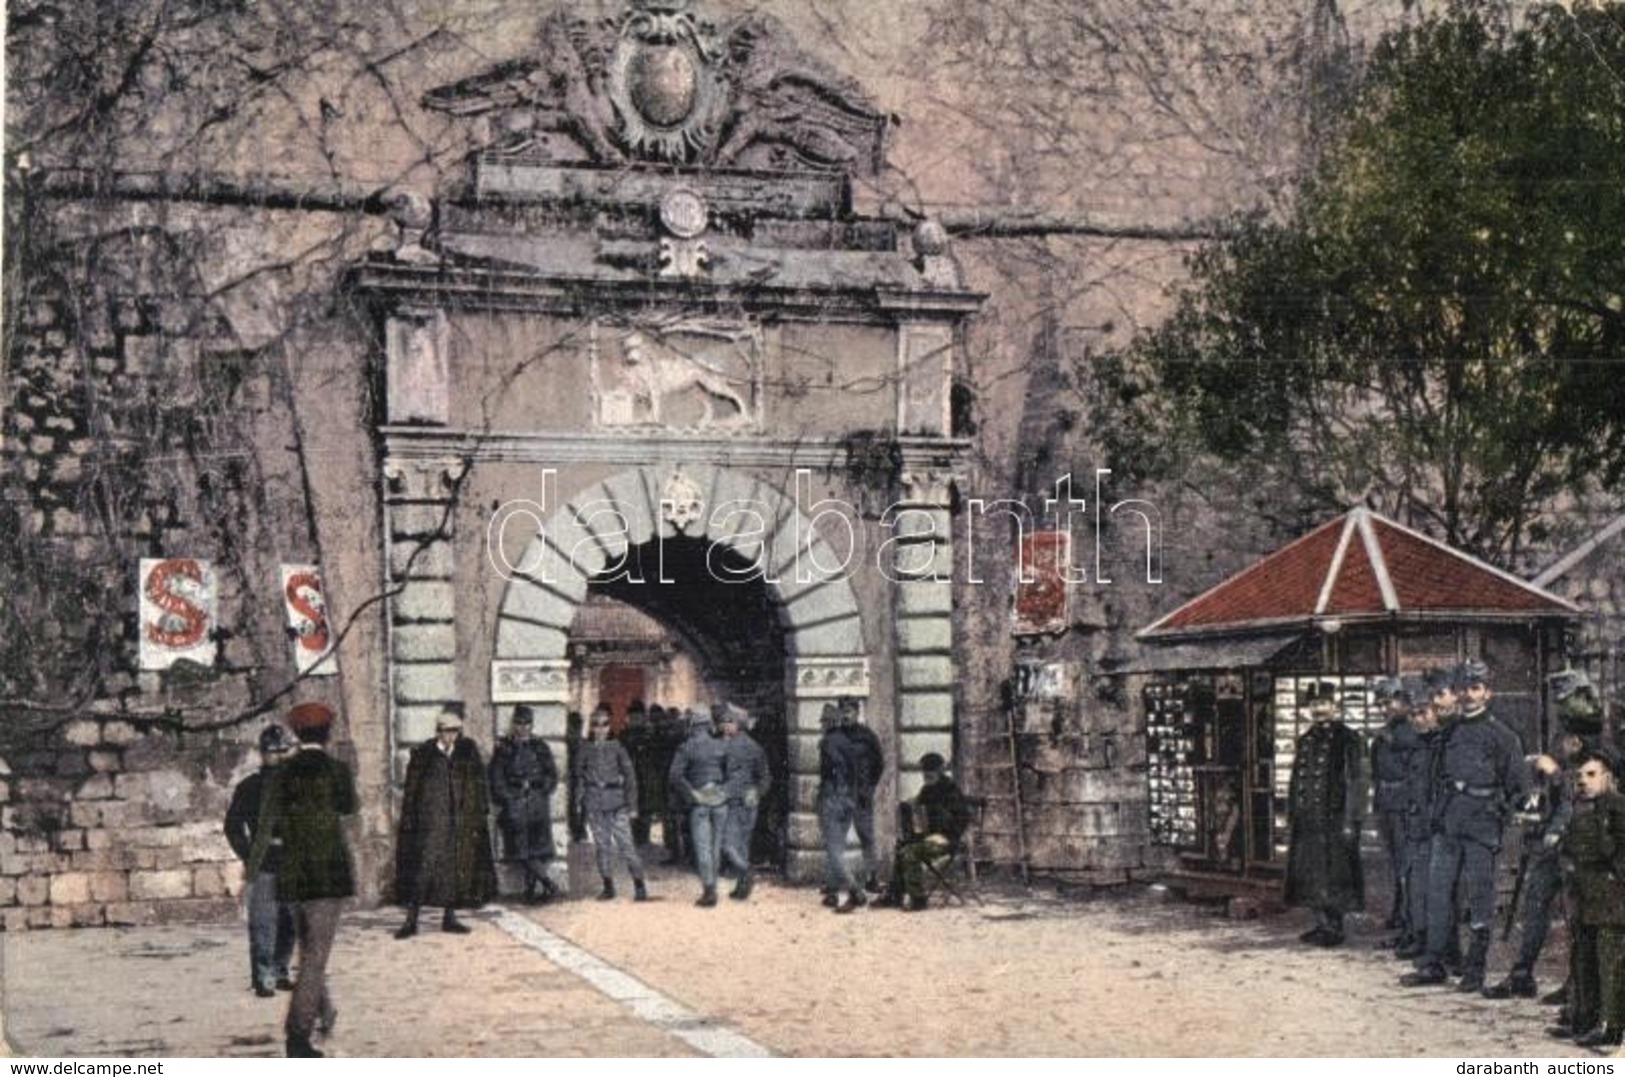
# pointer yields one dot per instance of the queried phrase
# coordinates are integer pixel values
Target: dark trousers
(863, 821)
(316, 923)
(834, 820)
(611, 834)
(1543, 881)
(270, 932)
(736, 835)
(1391, 828)
(1596, 966)
(912, 860)
(1458, 869)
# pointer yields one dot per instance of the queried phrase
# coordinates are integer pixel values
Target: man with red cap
(306, 800)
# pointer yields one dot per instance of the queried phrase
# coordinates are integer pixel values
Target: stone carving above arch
(678, 374)
(660, 84)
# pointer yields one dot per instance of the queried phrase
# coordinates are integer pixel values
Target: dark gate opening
(721, 615)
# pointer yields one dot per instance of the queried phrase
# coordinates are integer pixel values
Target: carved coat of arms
(659, 84)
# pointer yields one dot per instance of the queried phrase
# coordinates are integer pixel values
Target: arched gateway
(637, 532)
(615, 354)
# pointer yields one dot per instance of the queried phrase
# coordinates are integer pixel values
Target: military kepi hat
(274, 738)
(1472, 671)
(1318, 692)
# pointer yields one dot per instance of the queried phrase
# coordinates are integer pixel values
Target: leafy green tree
(1437, 327)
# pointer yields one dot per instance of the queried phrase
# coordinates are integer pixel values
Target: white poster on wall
(177, 612)
(305, 604)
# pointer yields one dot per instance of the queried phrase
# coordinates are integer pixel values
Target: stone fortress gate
(664, 420)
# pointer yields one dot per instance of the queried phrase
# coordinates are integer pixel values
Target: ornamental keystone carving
(659, 84)
(682, 502)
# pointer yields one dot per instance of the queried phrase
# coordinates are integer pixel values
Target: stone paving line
(644, 1001)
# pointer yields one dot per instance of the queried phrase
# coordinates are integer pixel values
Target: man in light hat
(1324, 800)
(305, 802)
(443, 856)
(699, 774)
(746, 781)
(523, 778)
(607, 786)
(1482, 779)
(270, 919)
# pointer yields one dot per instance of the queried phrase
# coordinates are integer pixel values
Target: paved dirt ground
(1020, 975)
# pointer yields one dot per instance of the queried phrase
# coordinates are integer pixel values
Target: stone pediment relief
(695, 374)
(658, 84)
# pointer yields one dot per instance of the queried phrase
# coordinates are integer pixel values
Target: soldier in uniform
(1481, 779)
(639, 739)
(1324, 802)
(1545, 817)
(1593, 850)
(871, 766)
(523, 778)
(1438, 699)
(270, 919)
(1391, 751)
(699, 773)
(607, 788)
(839, 775)
(746, 781)
(671, 730)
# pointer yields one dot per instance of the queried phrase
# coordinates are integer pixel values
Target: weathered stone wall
(189, 380)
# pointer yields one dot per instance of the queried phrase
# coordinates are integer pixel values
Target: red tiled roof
(1359, 565)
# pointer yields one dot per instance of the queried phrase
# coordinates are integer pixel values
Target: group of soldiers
(1448, 780)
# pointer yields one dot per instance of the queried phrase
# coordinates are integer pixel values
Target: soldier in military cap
(1324, 801)
(840, 772)
(699, 772)
(1593, 850)
(1418, 800)
(747, 781)
(1482, 778)
(523, 777)
(1545, 816)
(1391, 750)
(607, 788)
(270, 919)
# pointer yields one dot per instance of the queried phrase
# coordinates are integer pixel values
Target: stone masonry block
(109, 886)
(419, 522)
(70, 888)
(522, 639)
(160, 885)
(417, 559)
(83, 733)
(33, 890)
(918, 634)
(431, 642)
(414, 725)
(844, 636)
(926, 710)
(539, 602)
(819, 604)
(429, 682)
(925, 671)
(426, 600)
(916, 597)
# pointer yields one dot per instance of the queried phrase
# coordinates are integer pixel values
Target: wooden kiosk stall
(1358, 598)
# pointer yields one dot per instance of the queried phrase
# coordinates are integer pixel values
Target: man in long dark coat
(1324, 805)
(523, 778)
(306, 800)
(444, 854)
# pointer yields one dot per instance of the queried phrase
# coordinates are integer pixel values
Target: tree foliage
(1437, 327)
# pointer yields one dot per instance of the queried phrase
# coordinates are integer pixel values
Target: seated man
(939, 816)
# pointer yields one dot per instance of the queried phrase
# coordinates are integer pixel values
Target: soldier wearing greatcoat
(1324, 802)
(523, 778)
